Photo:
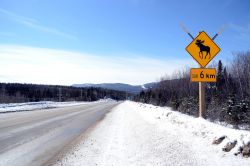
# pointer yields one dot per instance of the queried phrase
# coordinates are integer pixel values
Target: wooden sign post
(202, 75)
(202, 104)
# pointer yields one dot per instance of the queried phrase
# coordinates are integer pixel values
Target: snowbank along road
(34, 137)
(135, 134)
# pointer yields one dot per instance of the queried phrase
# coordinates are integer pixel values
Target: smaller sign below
(203, 75)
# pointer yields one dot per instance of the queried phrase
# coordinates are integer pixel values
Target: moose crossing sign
(203, 49)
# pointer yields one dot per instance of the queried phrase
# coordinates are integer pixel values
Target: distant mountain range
(120, 86)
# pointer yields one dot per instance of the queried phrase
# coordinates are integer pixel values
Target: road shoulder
(139, 134)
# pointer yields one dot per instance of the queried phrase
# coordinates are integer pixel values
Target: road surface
(35, 137)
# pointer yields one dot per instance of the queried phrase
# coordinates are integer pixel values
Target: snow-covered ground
(29, 106)
(135, 134)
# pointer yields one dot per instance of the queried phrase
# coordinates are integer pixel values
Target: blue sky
(114, 33)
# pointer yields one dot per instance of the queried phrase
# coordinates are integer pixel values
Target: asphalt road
(35, 137)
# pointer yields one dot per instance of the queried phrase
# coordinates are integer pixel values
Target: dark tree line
(14, 92)
(227, 100)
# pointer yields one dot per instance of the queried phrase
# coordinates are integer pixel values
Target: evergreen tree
(220, 77)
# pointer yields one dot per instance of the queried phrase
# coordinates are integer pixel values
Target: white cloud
(49, 66)
(32, 23)
(243, 32)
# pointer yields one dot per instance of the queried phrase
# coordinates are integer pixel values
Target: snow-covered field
(135, 134)
(30, 106)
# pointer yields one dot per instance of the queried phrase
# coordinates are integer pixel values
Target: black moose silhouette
(202, 47)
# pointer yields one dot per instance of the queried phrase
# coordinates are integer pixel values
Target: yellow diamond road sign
(203, 49)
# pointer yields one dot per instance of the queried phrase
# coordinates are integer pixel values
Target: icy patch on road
(137, 134)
